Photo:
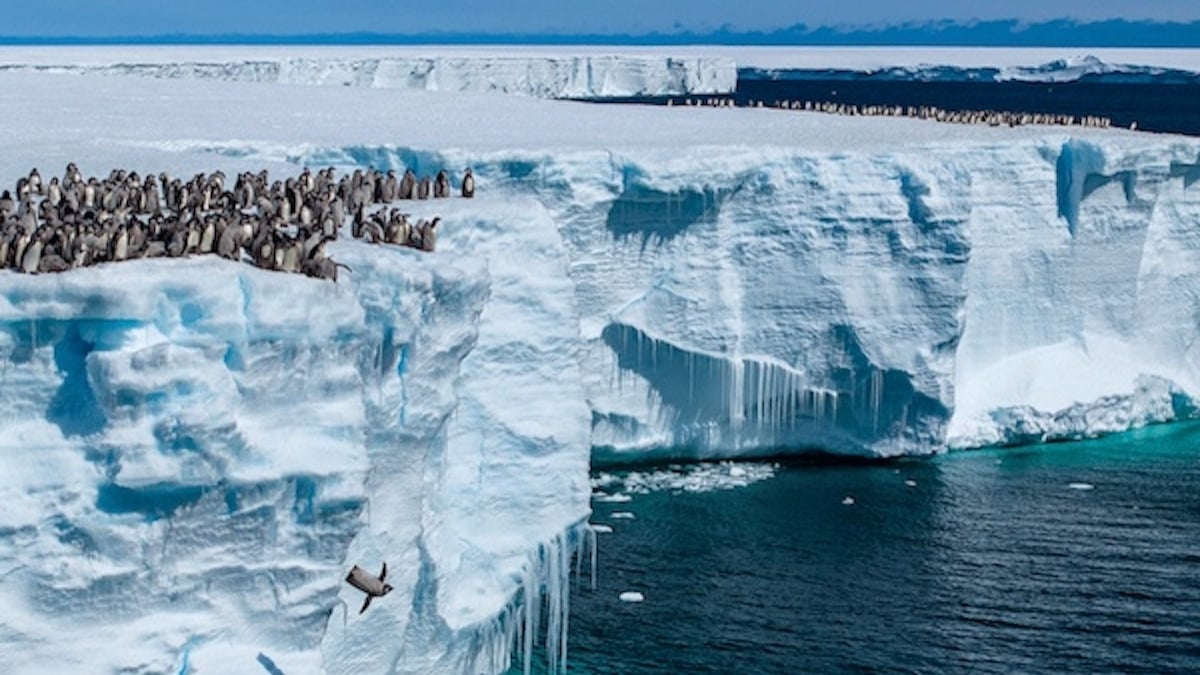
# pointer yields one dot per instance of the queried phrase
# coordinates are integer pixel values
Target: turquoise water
(1068, 558)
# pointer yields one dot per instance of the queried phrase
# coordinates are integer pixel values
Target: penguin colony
(995, 118)
(283, 226)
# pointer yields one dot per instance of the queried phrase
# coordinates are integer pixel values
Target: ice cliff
(1069, 69)
(753, 301)
(194, 452)
(589, 76)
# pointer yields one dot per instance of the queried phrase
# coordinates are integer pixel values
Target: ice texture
(546, 76)
(1065, 69)
(195, 452)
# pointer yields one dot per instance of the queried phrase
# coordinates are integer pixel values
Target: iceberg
(195, 451)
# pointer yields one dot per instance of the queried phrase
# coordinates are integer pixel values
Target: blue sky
(148, 17)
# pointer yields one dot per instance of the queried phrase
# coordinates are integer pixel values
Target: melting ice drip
(715, 399)
(760, 404)
(544, 595)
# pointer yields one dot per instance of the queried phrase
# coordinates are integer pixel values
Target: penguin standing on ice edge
(368, 583)
(468, 184)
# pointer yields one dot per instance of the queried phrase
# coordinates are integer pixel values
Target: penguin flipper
(366, 604)
(383, 574)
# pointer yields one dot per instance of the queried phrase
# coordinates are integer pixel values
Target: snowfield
(193, 453)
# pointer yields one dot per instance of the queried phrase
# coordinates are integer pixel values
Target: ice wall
(593, 76)
(195, 452)
(743, 301)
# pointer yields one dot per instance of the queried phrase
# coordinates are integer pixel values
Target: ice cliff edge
(195, 452)
(550, 76)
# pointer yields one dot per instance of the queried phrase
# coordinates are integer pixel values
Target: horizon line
(1061, 32)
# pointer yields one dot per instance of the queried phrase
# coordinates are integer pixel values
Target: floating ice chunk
(631, 596)
(847, 500)
(704, 477)
(910, 483)
(1081, 486)
(615, 499)
(623, 514)
(601, 528)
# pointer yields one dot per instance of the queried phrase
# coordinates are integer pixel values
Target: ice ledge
(1154, 400)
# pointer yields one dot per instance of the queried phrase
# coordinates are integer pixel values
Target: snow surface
(194, 452)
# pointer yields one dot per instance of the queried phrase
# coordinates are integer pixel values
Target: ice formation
(560, 76)
(1066, 69)
(194, 452)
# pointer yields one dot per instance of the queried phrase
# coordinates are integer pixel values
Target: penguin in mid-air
(367, 583)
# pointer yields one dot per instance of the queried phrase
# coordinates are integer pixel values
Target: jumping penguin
(369, 584)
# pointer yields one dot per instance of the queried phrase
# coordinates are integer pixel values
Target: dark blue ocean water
(1068, 558)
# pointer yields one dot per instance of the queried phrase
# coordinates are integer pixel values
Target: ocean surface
(1066, 558)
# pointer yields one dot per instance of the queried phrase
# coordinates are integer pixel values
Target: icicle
(737, 392)
(593, 541)
(876, 398)
(691, 368)
(762, 393)
(531, 602)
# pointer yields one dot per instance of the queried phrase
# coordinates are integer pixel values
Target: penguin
(53, 263)
(397, 229)
(292, 255)
(54, 192)
(227, 244)
(312, 242)
(441, 185)
(33, 255)
(356, 227)
(373, 586)
(390, 186)
(263, 251)
(429, 235)
(18, 248)
(468, 184)
(424, 188)
(193, 237)
(120, 245)
(408, 185)
(207, 237)
(136, 239)
(150, 202)
(178, 244)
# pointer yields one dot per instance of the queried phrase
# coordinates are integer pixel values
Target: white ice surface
(871, 286)
(549, 75)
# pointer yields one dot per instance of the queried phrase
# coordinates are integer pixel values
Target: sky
(279, 17)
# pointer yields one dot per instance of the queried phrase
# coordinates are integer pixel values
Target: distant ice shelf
(1067, 69)
(591, 77)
